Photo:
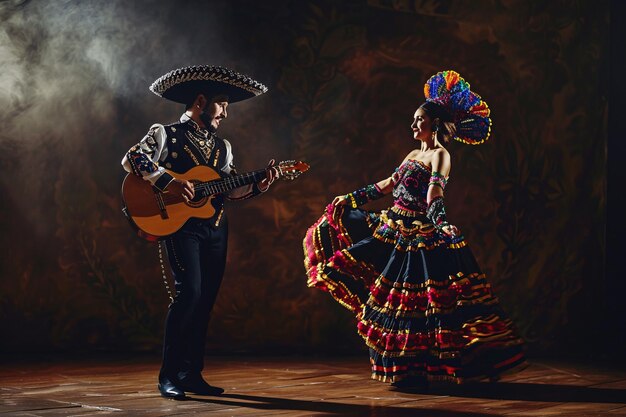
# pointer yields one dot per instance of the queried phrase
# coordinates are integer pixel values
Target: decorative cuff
(437, 179)
(163, 181)
(363, 195)
(436, 213)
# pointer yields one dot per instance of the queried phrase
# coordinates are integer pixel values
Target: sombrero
(182, 85)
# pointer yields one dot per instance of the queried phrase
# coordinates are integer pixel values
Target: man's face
(216, 110)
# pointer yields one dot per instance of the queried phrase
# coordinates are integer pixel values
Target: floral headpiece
(467, 110)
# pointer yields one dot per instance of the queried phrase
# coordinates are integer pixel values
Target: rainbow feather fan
(469, 112)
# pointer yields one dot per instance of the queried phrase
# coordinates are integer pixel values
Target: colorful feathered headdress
(467, 110)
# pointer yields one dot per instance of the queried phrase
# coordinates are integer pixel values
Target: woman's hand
(451, 230)
(341, 200)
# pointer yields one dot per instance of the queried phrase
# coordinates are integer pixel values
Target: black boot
(197, 385)
(169, 389)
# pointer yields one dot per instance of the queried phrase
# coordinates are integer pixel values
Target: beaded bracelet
(437, 179)
(363, 195)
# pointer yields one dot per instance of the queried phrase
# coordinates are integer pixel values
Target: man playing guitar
(197, 251)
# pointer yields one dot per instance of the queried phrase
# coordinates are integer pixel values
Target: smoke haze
(64, 61)
(65, 68)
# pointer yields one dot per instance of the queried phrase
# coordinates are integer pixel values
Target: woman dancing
(423, 307)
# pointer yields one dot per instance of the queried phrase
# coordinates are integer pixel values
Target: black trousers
(197, 256)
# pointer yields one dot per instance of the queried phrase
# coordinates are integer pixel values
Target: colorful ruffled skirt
(421, 302)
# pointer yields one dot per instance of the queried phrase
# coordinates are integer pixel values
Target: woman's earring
(435, 130)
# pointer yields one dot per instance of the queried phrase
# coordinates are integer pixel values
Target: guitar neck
(226, 184)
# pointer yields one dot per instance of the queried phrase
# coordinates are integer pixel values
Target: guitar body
(157, 214)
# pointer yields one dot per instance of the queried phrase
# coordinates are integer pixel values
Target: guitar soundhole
(197, 202)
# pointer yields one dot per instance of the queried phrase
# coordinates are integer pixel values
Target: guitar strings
(224, 184)
(219, 186)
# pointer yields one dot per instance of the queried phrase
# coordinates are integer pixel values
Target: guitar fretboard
(228, 183)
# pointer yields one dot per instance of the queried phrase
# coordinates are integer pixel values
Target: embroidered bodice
(409, 191)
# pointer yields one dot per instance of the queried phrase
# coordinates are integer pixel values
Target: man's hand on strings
(181, 188)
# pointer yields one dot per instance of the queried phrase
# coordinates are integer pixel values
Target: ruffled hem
(324, 249)
(445, 343)
(518, 364)
(487, 361)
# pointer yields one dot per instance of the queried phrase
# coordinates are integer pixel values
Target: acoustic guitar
(156, 214)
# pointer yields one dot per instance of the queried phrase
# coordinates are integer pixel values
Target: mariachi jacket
(180, 147)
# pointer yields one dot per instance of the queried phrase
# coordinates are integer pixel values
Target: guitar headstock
(290, 170)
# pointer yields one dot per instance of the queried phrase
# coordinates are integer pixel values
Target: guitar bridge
(162, 209)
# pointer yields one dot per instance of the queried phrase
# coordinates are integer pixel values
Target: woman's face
(422, 125)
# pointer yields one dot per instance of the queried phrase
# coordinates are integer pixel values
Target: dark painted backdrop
(345, 78)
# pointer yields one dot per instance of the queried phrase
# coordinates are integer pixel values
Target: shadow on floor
(329, 408)
(500, 391)
(530, 392)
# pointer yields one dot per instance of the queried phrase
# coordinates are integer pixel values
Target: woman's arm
(436, 212)
(439, 174)
(369, 192)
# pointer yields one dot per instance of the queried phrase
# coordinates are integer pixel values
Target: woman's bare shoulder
(441, 152)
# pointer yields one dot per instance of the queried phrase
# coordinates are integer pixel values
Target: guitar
(157, 214)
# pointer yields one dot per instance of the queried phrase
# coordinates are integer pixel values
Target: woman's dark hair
(446, 129)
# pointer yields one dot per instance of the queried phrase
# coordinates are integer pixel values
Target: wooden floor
(300, 387)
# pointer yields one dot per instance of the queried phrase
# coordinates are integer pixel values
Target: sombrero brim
(184, 84)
